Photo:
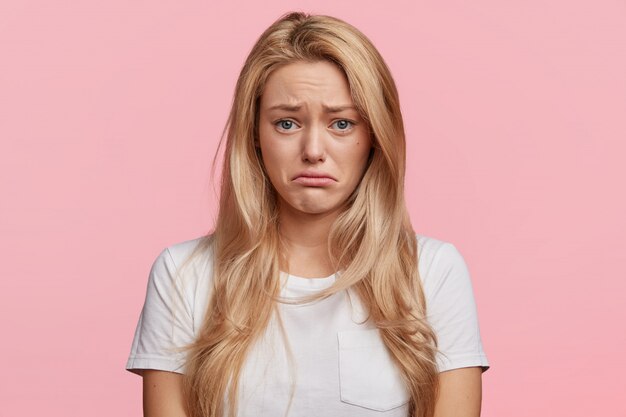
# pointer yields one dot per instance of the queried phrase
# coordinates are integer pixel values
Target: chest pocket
(367, 375)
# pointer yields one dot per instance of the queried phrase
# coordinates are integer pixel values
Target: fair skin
(291, 141)
(337, 144)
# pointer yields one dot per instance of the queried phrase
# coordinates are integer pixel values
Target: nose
(313, 146)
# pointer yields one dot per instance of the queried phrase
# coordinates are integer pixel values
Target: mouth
(313, 181)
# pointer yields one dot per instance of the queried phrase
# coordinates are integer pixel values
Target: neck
(304, 229)
(305, 237)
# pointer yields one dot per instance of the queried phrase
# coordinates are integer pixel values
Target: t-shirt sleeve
(165, 322)
(451, 311)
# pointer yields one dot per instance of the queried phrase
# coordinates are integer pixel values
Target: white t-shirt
(342, 367)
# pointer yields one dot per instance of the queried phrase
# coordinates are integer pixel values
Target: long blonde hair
(371, 241)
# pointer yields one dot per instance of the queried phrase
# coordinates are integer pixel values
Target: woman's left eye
(343, 124)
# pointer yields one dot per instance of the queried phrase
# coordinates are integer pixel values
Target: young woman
(312, 296)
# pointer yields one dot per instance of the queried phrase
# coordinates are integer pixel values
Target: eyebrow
(327, 109)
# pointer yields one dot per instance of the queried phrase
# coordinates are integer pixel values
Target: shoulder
(451, 307)
(432, 252)
(427, 247)
(172, 306)
(181, 251)
(196, 251)
(183, 263)
(440, 261)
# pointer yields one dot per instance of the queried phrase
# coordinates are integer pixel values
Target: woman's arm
(460, 393)
(162, 394)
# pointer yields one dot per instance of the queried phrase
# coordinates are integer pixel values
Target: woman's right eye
(284, 124)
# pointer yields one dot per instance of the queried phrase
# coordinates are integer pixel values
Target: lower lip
(314, 181)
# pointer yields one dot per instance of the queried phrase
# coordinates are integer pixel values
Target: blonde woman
(312, 296)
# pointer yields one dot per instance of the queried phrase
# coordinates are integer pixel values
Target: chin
(318, 211)
(309, 209)
(310, 204)
(317, 208)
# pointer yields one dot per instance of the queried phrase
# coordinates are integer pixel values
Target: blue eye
(284, 124)
(344, 124)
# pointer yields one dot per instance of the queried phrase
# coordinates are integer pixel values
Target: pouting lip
(314, 174)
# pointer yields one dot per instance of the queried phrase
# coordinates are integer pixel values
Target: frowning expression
(313, 142)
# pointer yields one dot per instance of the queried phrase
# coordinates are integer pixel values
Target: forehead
(321, 82)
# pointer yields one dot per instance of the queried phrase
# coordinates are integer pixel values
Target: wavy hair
(371, 241)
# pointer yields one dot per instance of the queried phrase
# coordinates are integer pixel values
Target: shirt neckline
(295, 281)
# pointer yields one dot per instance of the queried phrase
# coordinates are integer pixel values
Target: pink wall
(516, 120)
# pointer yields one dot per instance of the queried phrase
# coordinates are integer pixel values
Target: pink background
(516, 121)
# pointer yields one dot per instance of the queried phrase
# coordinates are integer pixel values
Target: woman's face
(308, 127)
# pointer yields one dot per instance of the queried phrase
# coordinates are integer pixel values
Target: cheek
(362, 152)
(274, 160)
(273, 156)
(266, 146)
